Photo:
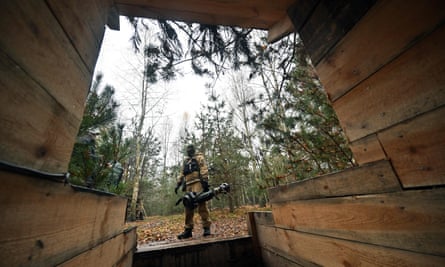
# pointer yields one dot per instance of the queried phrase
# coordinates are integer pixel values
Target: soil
(159, 230)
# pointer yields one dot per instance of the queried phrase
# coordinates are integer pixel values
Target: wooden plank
(40, 135)
(325, 251)
(260, 14)
(384, 32)
(280, 29)
(189, 17)
(44, 223)
(412, 84)
(83, 21)
(231, 252)
(272, 258)
(417, 149)
(117, 250)
(262, 217)
(329, 22)
(409, 220)
(377, 177)
(300, 12)
(214, 6)
(126, 261)
(251, 226)
(34, 39)
(367, 149)
(113, 18)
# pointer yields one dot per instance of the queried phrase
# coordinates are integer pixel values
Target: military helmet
(190, 150)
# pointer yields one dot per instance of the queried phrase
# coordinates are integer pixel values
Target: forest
(273, 125)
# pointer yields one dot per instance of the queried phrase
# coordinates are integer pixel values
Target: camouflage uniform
(193, 183)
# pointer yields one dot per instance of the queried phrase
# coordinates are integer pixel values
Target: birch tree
(150, 99)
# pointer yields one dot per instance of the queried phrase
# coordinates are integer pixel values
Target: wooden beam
(373, 178)
(280, 29)
(300, 11)
(261, 14)
(328, 23)
(113, 19)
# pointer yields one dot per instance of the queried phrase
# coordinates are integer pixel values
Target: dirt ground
(156, 230)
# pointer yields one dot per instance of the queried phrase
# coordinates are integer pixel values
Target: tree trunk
(137, 178)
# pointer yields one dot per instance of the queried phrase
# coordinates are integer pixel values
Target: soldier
(115, 176)
(195, 177)
(90, 157)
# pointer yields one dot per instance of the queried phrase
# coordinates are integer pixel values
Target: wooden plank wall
(230, 252)
(117, 251)
(45, 223)
(385, 76)
(337, 220)
(386, 79)
(282, 246)
(48, 51)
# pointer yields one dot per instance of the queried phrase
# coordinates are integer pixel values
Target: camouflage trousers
(202, 208)
(203, 212)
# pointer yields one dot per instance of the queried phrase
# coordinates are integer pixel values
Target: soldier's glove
(205, 185)
(177, 187)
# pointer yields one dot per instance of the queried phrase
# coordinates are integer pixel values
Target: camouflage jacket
(194, 169)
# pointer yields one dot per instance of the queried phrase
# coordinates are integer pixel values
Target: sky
(186, 94)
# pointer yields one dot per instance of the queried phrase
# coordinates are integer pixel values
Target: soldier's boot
(186, 234)
(206, 231)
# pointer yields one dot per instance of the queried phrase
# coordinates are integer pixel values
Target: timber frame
(382, 65)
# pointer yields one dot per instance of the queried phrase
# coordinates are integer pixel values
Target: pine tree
(301, 125)
(90, 158)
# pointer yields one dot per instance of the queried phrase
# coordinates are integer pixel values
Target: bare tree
(151, 100)
(242, 92)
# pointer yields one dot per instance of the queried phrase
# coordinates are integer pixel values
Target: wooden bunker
(382, 63)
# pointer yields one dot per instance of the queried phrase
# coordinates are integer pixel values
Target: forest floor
(160, 230)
